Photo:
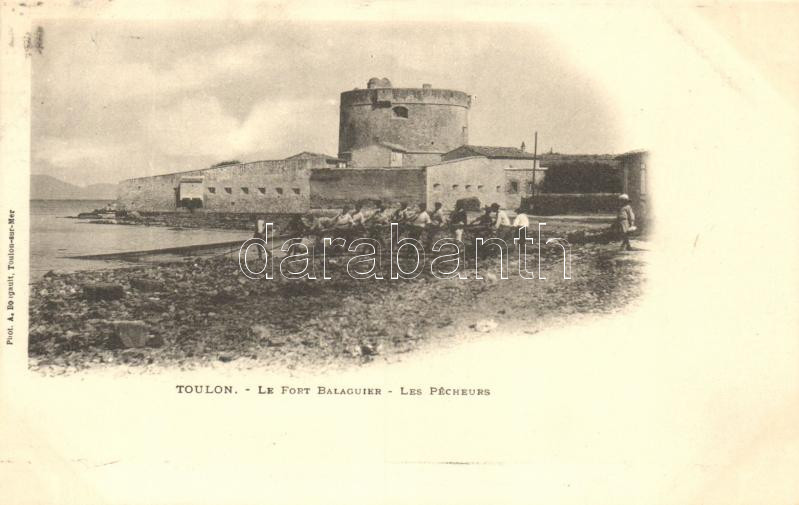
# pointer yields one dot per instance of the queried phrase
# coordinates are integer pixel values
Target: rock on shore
(204, 310)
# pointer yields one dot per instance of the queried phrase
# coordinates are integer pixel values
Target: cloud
(200, 126)
(101, 75)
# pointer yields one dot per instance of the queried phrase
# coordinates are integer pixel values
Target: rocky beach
(197, 311)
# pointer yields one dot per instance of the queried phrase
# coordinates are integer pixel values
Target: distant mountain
(45, 187)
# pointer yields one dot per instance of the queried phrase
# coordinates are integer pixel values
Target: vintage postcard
(399, 252)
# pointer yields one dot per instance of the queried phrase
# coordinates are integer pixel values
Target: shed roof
(305, 155)
(490, 152)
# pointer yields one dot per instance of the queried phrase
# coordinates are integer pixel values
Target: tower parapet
(420, 120)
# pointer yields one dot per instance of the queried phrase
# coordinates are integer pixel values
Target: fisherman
(521, 222)
(625, 222)
(380, 216)
(521, 219)
(484, 220)
(402, 214)
(420, 221)
(458, 220)
(501, 218)
(260, 233)
(438, 218)
(343, 220)
(358, 219)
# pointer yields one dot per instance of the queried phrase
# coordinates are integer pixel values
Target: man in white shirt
(502, 217)
(521, 219)
(422, 219)
(520, 223)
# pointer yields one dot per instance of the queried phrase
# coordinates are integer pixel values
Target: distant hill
(45, 187)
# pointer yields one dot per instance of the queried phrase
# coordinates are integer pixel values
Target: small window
(514, 187)
(246, 191)
(480, 187)
(499, 189)
(212, 190)
(262, 191)
(401, 111)
(296, 191)
(468, 187)
(530, 187)
(454, 186)
(436, 187)
(229, 191)
(138, 187)
(279, 191)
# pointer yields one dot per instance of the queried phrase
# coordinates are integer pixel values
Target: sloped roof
(491, 152)
(556, 159)
(305, 155)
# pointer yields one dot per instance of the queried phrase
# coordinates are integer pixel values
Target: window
(499, 189)
(296, 191)
(400, 111)
(436, 187)
(454, 186)
(279, 191)
(138, 187)
(480, 187)
(262, 191)
(468, 187)
(229, 190)
(246, 191)
(514, 187)
(530, 188)
(396, 159)
(212, 190)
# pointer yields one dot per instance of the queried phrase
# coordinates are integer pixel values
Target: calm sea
(54, 235)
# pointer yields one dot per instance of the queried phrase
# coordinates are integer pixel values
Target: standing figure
(625, 222)
(420, 222)
(438, 217)
(260, 233)
(458, 220)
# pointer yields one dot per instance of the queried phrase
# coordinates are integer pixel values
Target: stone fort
(395, 145)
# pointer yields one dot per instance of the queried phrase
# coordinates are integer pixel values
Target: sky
(114, 100)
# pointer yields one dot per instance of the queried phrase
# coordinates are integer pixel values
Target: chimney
(523, 146)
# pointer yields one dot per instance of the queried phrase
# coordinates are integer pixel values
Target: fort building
(386, 126)
(395, 145)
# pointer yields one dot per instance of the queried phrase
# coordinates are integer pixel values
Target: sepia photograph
(399, 252)
(192, 139)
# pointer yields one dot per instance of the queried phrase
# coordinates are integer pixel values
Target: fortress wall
(337, 187)
(466, 178)
(278, 186)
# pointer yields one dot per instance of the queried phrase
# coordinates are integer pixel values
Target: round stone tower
(416, 120)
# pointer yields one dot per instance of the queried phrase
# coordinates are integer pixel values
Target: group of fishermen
(415, 223)
(412, 222)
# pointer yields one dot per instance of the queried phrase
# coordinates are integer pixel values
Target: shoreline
(198, 311)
